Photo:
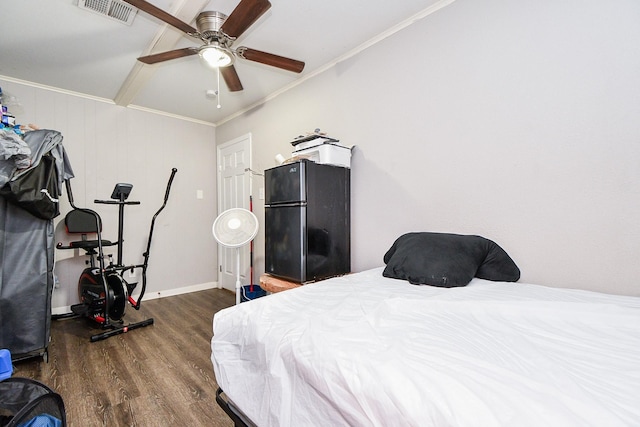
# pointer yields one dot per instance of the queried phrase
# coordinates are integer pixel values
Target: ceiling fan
(219, 32)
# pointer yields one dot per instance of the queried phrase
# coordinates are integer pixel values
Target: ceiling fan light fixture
(216, 56)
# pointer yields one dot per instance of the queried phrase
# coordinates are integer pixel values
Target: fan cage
(235, 227)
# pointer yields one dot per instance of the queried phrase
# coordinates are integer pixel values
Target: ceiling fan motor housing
(209, 24)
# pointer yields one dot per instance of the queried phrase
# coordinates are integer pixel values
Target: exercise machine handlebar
(136, 304)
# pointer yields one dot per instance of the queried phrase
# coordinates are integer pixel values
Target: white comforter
(364, 350)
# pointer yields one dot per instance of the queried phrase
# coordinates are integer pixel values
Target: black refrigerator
(307, 221)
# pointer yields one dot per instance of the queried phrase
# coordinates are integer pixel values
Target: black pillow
(448, 260)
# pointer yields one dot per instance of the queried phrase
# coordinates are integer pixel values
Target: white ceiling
(54, 43)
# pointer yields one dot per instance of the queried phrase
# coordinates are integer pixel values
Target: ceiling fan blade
(271, 59)
(162, 15)
(165, 56)
(231, 78)
(245, 14)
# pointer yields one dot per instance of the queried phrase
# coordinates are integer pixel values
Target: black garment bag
(37, 190)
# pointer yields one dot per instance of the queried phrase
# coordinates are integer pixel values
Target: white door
(234, 190)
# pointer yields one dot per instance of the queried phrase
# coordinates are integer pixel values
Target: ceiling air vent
(114, 9)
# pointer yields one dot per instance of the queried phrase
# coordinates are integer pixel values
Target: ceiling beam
(166, 39)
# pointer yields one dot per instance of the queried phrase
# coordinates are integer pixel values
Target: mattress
(365, 350)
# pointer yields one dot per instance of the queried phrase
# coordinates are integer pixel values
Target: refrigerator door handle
(286, 205)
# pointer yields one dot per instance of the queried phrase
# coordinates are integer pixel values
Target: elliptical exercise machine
(102, 289)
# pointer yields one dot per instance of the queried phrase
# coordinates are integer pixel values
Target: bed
(369, 350)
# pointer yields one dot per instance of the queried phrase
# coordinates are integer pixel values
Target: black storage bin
(29, 403)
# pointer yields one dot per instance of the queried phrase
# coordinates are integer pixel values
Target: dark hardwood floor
(159, 375)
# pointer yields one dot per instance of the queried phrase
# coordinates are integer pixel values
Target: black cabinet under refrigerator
(307, 221)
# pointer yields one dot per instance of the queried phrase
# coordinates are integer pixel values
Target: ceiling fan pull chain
(218, 91)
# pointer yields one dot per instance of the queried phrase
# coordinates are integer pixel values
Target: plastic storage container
(6, 368)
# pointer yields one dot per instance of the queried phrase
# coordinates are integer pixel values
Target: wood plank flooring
(159, 375)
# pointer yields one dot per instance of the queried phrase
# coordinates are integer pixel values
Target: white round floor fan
(234, 228)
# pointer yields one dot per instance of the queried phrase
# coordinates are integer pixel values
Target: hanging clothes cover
(27, 251)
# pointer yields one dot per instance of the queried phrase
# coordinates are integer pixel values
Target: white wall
(517, 121)
(108, 144)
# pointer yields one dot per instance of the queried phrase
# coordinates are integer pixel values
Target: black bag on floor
(29, 403)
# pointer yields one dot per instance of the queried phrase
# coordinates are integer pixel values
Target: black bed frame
(239, 419)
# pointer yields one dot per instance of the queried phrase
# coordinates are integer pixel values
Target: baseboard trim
(154, 295)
